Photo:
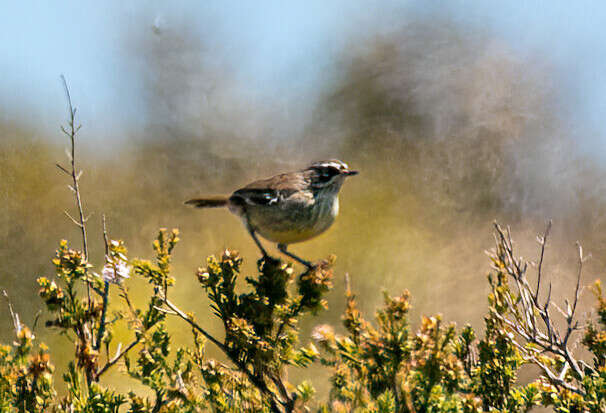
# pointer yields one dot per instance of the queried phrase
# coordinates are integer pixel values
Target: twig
(78, 224)
(118, 357)
(132, 309)
(63, 169)
(347, 284)
(295, 312)
(255, 380)
(14, 316)
(540, 266)
(524, 309)
(105, 293)
(195, 325)
(105, 238)
(71, 133)
(36, 318)
(289, 401)
(103, 316)
(165, 311)
(577, 290)
(555, 379)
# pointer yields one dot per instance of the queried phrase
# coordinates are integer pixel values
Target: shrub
(376, 367)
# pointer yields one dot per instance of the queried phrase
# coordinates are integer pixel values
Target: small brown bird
(287, 208)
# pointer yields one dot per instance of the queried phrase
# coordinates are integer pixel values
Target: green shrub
(380, 366)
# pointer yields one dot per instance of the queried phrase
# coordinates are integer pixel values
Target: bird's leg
(254, 237)
(282, 248)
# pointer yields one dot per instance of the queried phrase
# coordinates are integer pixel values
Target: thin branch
(124, 295)
(540, 267)
(577, 289)
(523, 309)
(63, 169)
(118, 357)
(165, 311)
(14, 316)
(555, 379)
(195, 325)
(289, 401)
(72, 219)
(36, 318)
(131, 308)
(347, 284)
(255, 380)
(295, 312)
(105, 293)
(105, 238)
(72, 136)
(103, 316)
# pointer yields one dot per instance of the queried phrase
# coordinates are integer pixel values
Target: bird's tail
(209, 202)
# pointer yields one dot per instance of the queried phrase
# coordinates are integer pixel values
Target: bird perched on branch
(287, 208)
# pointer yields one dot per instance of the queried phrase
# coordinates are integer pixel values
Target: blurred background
(456, 113)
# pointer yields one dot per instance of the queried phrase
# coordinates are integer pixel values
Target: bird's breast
(290, 223)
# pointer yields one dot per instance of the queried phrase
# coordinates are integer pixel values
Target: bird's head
(329, 175)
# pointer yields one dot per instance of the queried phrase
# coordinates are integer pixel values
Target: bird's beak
(350, 173)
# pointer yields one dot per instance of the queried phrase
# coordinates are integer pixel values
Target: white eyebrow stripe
(337, 165)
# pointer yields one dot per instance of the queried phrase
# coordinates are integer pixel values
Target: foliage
(383, 366)
(388, 369)
(26, 380)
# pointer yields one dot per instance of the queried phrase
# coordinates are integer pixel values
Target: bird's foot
(267, 259)
(283, 249)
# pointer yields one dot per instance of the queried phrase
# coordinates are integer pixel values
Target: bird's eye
(327, 174)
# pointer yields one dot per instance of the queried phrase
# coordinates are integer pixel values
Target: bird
(287, 208)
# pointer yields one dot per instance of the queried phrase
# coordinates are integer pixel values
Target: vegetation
(376, 367)
(380, 366)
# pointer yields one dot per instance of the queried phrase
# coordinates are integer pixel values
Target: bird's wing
(267, 191)
(255, 196)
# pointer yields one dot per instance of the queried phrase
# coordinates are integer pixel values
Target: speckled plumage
(289, 207)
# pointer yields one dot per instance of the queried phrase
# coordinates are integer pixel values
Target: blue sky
(281, 50)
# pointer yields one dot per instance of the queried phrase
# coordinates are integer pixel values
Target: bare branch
(117, 357)
(71, 108)
(36, 318)
(531, 319)
(63, 169)
(543, 241)
(347, 284)
(195, 325)
(105, 294)
(73, 219)
(559, 381)
(71, 133)
(577, 289)
(571, 327)
(165, 311)
(14, 316)
(105, 239)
